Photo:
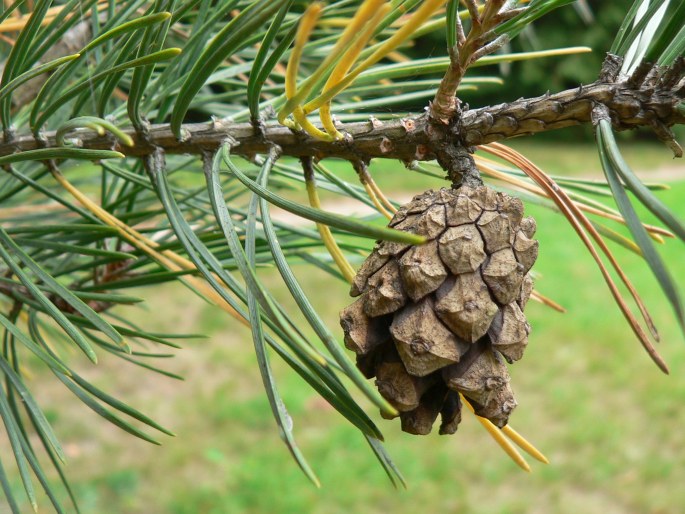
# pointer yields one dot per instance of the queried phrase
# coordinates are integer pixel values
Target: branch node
(408, 124)
(259, 128)
(275, 152)
(639, 76)
(208, 162)
(41, 139)
(375, 122)
(611, 67)
(143, 131)
(8, 134)
(386, 145)
(347, 139)
(421, 153)
(155, 162)
(361, 168)
(599, 112)
(673, 74)
(220, 124)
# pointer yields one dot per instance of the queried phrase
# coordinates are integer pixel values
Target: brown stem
(630, 107)
(408, 139)
(481, 40)
(472, 7)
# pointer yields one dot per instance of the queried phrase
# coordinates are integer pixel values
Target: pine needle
(167, 258)
(500, 439)
(326, 236)
(585, 230)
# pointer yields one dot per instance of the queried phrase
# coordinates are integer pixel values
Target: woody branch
(653, 97)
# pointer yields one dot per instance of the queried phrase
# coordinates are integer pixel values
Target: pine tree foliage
(145, 141)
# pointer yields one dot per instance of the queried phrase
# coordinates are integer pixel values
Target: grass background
(588, 395)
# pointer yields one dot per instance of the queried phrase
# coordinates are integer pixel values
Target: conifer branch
(649, 104)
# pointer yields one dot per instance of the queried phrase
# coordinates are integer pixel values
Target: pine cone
(439, 319)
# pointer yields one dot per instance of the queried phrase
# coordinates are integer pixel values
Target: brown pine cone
(439, 319)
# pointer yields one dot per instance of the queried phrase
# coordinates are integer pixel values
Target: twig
(480, 41)
(629, 108)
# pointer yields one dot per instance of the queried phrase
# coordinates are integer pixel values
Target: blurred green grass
(589, 398)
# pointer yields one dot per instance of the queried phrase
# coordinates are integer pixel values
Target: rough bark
(654, 103)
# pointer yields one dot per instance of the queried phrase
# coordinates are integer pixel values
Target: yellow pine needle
(534, 295)
(654, 232)
(309, 128)
(345, 64)
(17, 24)
(304, 30)
(419, 16)
(523, 443)
(428, 7)
(352, 26)
(167, 258)
(398, 56)
(363, 13)
(384, 199)
(19, 21)
(335, 23)
(328, 240)
(368, 9)
(433, 25)
(327, 121)
(629, 243)
(309, 19)
(372, 194)
(499, 438)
